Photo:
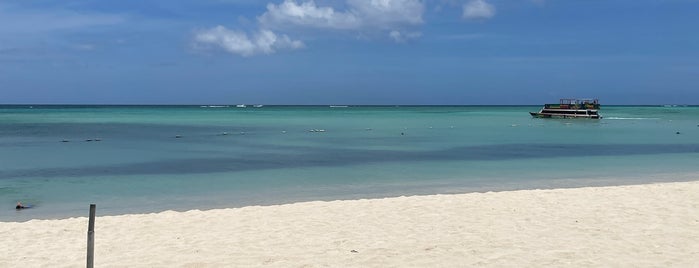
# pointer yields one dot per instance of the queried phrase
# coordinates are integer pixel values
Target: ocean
(142, 159)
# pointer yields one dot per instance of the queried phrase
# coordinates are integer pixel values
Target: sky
(429, 52)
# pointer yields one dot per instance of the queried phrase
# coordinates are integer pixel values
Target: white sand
(655, 225)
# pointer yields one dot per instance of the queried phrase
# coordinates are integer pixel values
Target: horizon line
(323, 104)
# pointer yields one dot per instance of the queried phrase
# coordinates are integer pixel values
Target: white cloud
(478, 9)
(237, 42)
(360, 14)
(307, 14)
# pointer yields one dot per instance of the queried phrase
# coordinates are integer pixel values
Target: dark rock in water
(677, 132)
(178, 136)
(88, 140)
(65, 141)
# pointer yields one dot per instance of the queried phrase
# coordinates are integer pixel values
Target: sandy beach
(652, 225)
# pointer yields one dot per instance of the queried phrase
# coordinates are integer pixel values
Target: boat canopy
(574, 104)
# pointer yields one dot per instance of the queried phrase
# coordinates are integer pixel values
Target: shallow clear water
(230, 157)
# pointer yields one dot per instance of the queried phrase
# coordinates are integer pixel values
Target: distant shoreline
(232, 106)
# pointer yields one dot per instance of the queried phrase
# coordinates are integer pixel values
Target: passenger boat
(570, 108)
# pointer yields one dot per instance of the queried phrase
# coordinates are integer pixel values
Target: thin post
(91, 238)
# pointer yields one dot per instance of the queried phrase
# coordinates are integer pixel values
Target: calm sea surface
(155, 158)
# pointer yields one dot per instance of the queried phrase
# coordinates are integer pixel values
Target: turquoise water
(231, 157)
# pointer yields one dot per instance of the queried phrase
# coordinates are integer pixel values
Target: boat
(214, 106)
(570, 108)
(241, 106)
(258, 105)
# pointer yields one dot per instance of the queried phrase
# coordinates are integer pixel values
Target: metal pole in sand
(91, 238)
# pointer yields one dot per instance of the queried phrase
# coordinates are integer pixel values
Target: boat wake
(631, 118)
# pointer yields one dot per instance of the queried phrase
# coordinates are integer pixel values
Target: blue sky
(348, 51)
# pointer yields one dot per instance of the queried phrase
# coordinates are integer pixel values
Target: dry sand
(654, 225)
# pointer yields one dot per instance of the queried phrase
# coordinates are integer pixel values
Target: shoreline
(645, 225)
(42, 212)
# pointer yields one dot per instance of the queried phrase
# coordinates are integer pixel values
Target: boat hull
(556, 115)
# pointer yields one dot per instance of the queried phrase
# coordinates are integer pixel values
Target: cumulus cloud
(307, 14)
(237, 42)
(360, 14)
(478, 9)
